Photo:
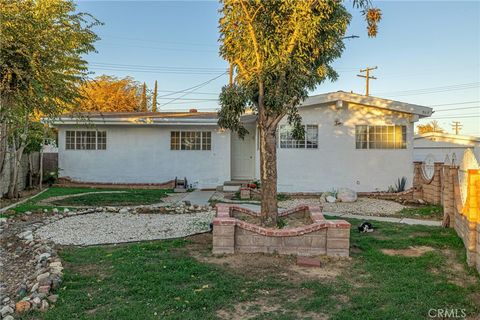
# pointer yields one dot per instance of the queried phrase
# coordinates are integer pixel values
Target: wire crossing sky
(427, 53)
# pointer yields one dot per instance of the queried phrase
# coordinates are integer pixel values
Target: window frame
(380, 134)
(290, 143)
(83, 140)
(200, 140)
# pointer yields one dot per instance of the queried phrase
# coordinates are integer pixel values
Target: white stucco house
(438, 145)
(355, 141)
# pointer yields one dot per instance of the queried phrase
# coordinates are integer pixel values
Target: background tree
(154, 98)
(41, 48)
(143, 99)
(279, 51)
(432, 126)
(110, 94)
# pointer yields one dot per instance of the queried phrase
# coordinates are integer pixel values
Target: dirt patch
(410, 252)
(23, 195)
(455, 270)
(265, 307)
(259, 265)
(293, 220)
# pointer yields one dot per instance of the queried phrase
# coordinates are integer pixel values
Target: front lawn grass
(180, 279)
(130, 197)
(429, 211)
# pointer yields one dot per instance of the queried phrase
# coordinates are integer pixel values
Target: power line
(453, 103)
(156, 67)
(192, 89)
(455, 109)
(455, 117)
(463, 86)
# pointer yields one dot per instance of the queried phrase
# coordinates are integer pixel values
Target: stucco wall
(137, 154)
(337, 163)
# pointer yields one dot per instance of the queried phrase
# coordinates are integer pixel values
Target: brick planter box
(322, 237)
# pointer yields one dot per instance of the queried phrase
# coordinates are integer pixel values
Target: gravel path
(107, 227)
(363, 206)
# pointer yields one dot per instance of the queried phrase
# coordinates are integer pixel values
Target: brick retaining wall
(330, 237)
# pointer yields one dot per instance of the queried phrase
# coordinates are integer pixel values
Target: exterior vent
(193, 110)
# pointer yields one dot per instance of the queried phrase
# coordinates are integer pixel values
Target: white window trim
(75, 140)
(202, 137)
(381, 149)
(279, 141)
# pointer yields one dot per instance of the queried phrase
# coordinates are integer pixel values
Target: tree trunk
(17, 161)
(268, 173)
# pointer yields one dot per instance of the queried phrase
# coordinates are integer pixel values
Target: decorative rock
(45, 210)
(28, 212)
(44, 256)
(346, 195)
(331, 199)
(54, 210)
(43, 277)
(22, 306)
(3, 220)
(66, 210)
(9, 317)
(36, 301)
(6, 310)
(123, 210)
(44, 289)
(35, 287)
(44, 305)
(52, 298)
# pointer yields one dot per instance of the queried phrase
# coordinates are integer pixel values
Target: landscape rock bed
(31, 270)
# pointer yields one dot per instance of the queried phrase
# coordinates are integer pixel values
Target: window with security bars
(190, 140)
(310, 140)
(381, 137)
(86, 140)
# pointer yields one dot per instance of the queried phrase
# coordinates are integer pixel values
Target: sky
(427, 53)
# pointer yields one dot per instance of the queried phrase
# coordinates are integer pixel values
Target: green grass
(429, 211)
(131, 197)
(160, 280)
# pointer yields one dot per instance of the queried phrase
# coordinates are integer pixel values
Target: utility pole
(456, 126)
(367, 77)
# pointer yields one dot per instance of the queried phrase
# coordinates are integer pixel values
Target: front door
(243, 155)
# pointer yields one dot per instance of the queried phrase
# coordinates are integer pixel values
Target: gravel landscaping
(363, 206)
(112, 227)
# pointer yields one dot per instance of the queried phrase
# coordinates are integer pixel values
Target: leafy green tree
(143, 101)
(279, 50)
(154, 98)
(42, 44)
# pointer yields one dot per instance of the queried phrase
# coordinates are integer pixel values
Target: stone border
(330, 237)
(13, 205)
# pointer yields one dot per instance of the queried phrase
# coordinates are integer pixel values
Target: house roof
(369, 101)
(211, 118)
(446, 136)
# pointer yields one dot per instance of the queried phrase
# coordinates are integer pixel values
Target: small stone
(44, 305)
(55, 210)
(9, 317)
(45, 210)
(66, 210)
(6, 300)
(28, 212)
(52, 298)
(55, 264)
(35, 287)
(123, 210)
(22, 306)
(44, 289)
(3, 220)
(43, 277)
(331, 199)
(6, 310)
(36, 301)
(44, 256)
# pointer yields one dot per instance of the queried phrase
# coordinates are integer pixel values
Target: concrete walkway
(198, 197)
(430, 223)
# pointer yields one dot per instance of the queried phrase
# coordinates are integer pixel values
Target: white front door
(243, 155)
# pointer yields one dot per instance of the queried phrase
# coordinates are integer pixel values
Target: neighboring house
(438, 146)
(351, 140)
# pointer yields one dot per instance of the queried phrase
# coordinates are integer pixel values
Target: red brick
(308, 261)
